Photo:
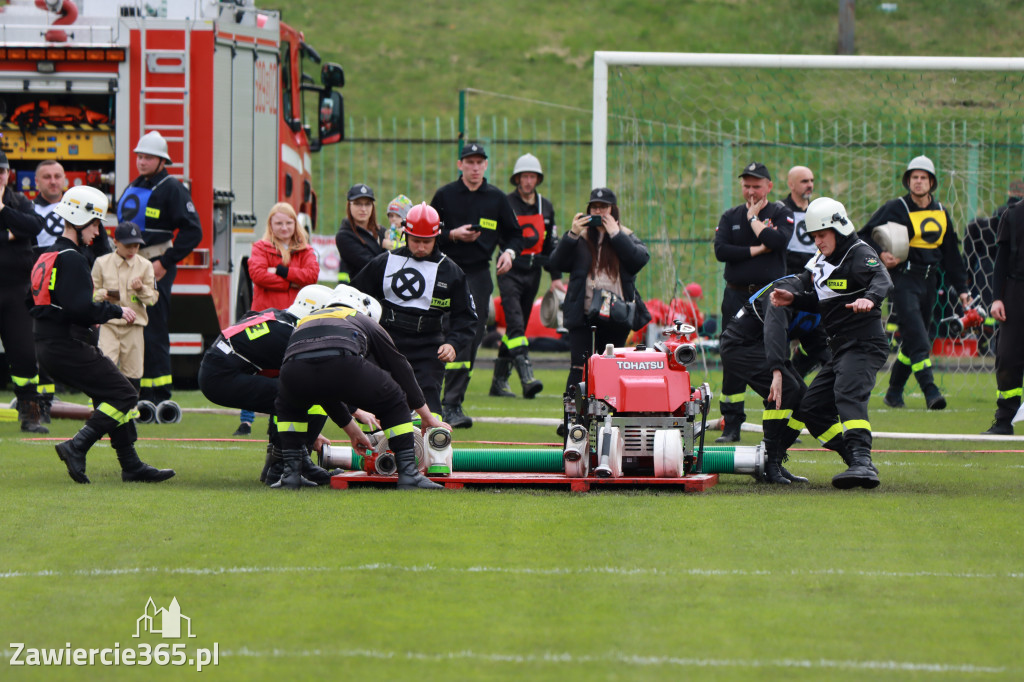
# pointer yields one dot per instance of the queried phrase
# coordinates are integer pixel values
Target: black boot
(29, 414)
(531, 385)
(271, 465)
(897, 380)
(455, 417)
(773, 465)
(861, 472)
(731, 430)
(314, 473)
(45, 407)
(409, 477)
(999, 428)
(793, 478)
(933, 397)
(134, 470)
(499, 383)
(72, 452)
(291, 472)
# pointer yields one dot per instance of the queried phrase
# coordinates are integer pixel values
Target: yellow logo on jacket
(927, 230)
(836, 284)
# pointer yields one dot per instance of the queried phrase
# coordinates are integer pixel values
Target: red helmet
(422, 221)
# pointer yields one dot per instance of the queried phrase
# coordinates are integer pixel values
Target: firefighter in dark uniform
(756, 345)
(933, 244)
(19, 226)
(751, 240)
(161, 206)
(846, 285)
(240, 370)
(1008, 309)
(340, 356)
(64, 310)
(476, 218)
(426, 305)
(519, 285)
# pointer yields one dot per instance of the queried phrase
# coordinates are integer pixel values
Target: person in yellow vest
(933, 244)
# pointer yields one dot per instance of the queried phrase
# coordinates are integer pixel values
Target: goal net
(672, 131)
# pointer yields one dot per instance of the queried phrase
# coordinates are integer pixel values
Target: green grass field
(921, 578)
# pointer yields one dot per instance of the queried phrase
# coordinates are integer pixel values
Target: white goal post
(603, 59)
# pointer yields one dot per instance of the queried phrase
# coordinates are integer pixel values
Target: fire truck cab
(224, 83)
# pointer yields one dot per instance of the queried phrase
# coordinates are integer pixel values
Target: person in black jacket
(846, 285)
(360, 238)
(426, 305)
(1008, 309)
(340, 356)
(519, 285)
(756, 345)
(64, 310)
(240, 370)
(751, 240)
(602, 258)
(19, 226)
(162, 208)
(476, 218)
(933, 243)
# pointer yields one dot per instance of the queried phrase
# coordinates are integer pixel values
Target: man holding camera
(751, 240)
(476, 217)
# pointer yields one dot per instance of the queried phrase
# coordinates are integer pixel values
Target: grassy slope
(405, 59)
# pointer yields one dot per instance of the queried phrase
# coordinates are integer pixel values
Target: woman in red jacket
(282, 262)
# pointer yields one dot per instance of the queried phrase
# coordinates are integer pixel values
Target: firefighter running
(846, 283)
(63, 312)
(341, 356)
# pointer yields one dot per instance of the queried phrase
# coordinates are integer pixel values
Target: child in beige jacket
(125, 278)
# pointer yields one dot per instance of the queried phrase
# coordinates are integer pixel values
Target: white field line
(469, 570)
(568, 659)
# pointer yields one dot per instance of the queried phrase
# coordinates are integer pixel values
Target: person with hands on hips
(602, 258)
(751, 240)
(846, 284)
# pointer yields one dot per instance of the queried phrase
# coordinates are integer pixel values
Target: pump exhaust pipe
(168, 412)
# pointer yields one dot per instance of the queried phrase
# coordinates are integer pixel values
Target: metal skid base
(689, 484)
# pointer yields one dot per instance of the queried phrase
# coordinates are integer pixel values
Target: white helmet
(828, 214)
(922, 163)
(154, 144)
(82, 204)
(310, 299)
(527, 163)
(351, 297)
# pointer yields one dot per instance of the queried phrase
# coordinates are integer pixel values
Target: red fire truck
(224, 83)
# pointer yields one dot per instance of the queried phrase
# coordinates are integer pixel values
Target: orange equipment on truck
(224, 84)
